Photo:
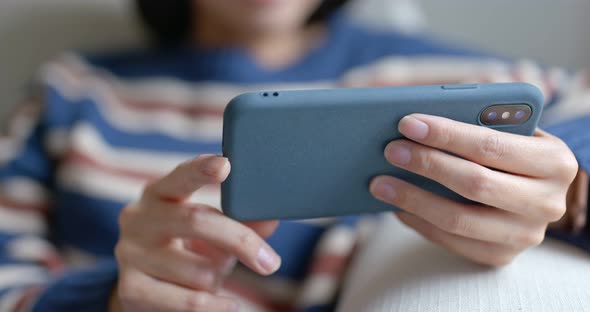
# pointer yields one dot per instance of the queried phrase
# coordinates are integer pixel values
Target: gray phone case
(312, 153)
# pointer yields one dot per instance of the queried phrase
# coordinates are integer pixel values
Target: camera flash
(505, 115)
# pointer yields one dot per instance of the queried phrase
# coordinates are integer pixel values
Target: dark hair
(170, 21)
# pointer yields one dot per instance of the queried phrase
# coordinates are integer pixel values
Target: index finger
(190, 176)
(491, 148)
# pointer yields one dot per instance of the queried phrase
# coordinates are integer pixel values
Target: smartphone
(312, 153)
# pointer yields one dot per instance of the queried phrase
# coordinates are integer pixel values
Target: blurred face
(256, 16)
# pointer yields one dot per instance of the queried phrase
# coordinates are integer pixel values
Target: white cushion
(398, 270)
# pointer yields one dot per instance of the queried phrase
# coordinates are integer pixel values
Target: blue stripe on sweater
(31, 161)
(80, 290)
(76, 212)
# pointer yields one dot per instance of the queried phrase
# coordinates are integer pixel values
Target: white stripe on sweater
(24, 190)
(86, 140)
(100, 184)
(21, 274)
(15, 221)
(29, 248)
(429, 68)
(8, 150)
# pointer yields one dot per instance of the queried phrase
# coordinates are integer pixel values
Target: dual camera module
(505, 114)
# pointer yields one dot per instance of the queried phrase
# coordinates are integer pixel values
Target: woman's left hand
(521, 183)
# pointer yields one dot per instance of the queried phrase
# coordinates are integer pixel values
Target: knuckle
(427, 162)
(445, 135)
(553, 210)
(491, 148)
(458, 224)
(402, 196)
(196, 302)
(198, 277)
(479, 186)
(198, 217)
(187, 181)
(246, 238)
(568, 166)
(126, 252)
(247, 243)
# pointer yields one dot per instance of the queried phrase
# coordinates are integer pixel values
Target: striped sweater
(102, 126)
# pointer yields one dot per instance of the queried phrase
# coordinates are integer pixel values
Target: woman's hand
(521, 183)
(173, 255)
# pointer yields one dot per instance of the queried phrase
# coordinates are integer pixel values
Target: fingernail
(268, 260)
(413, 128)
(383, 190)
(398, 153)
(213, 165)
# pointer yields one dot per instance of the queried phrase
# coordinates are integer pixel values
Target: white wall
(32, 31)
(551, 31)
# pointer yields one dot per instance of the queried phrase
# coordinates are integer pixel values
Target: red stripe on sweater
(192, 110)
(8, 203)
(78, 157)
(330, 264)
(24, 302)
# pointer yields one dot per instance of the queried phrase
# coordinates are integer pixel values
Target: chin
(273, 24)
(261, 15)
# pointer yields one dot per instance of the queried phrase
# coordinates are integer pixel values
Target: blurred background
(552, 32)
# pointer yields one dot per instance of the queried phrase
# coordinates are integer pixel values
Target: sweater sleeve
(32, 273)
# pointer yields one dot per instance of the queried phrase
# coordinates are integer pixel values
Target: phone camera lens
(519, 115)
(492, 115)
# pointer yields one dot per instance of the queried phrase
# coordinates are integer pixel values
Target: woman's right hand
(173, 255)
